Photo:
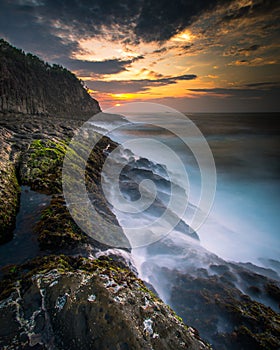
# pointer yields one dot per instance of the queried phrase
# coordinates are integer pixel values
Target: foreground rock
(67, 303)
(33, 149)
(226, 317)
(9, 188)
(232, 307)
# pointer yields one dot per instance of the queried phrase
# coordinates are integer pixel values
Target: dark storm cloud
(257, 8)
(130, 21)
(160, 20)
(87, 68)
(87, 18)
(134, 86)
(19, 24)
(40, 25)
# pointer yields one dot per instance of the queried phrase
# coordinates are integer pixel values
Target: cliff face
(28, 85)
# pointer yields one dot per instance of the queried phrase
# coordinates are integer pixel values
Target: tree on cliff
(29, 85)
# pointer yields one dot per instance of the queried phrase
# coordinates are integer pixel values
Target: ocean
(243, 223)
(225, 169)
(197, 197)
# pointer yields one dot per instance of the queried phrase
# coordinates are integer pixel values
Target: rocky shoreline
(68, 301)
(59, 302)
(42, 304)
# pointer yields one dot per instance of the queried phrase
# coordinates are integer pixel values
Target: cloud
(264, 85)
(162, 50)
(245, 51)
(87, 68)
(20, 24)
(134, 86)
(231, 30)
(124, 20)
(257, 8)
(149, 73)
(160, 20)
(250, 48)
(53, 28)
(259, 90)
(254, 62)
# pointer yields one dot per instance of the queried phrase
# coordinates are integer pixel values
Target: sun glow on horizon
(123, 96)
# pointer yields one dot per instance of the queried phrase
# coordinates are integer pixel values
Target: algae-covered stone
(57, 229)
(40, 146)
(9, 189)
(68, 303)
(225, 316)
(41, 165)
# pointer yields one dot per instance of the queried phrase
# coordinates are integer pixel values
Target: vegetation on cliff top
(31, 86)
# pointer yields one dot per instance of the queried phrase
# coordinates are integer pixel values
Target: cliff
(28, 85)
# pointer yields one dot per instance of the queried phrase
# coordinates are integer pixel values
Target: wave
(128, 183)
(176, 264)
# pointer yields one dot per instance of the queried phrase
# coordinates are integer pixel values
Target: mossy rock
(234, 321)
(41, 165)
(77, 303)
(9, 200)
(56, 229)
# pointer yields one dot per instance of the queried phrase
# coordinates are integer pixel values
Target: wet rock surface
(32, 154)
(225, 316)
(233, 307)
(9, 187)
(56, 230)
(62, 302)
(66, 303)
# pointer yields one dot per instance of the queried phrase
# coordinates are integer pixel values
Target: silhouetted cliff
(29, 85)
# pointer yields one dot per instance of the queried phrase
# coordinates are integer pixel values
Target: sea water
(243, 224)
(163, 159)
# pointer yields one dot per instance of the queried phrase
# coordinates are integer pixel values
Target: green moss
(56, 229)
(9, 203)
(62, 263)
(13, 269)
(179, 318)
(42, 165)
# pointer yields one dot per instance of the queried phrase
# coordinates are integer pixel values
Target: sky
(195, 56)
